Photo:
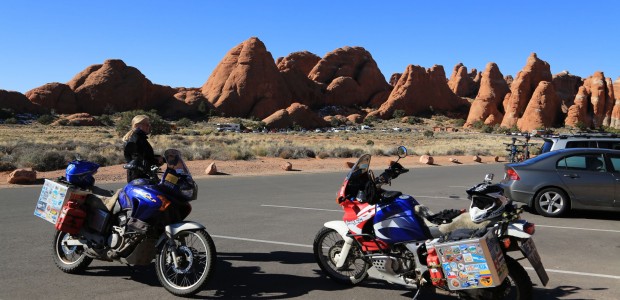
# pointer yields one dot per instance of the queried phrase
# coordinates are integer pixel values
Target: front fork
(343, 230)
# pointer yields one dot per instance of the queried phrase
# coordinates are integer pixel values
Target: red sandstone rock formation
(462, 83)
(509, 80)
(352, 77)
(355, 118)
(17, 102)
(296, 114)
(493, 89)
(420, 90)
(542, 110)
(394, 78)
(78, 119)
(578, 112)
(186, 103)
(22, 176)
(615, 114)
(521, 90)
(566, 86)
(112, 86)
(295, 69)
(303, 61)
(593, 106)
(610, 102)
(247, 82)
(54, 96)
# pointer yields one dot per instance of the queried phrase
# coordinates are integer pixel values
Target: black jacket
(138, 149)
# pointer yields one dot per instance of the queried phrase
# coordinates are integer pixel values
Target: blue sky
(179, 43)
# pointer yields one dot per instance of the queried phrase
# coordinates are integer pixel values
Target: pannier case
(53, 197)
(472, 263)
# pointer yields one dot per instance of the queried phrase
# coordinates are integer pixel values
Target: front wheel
(327, 248)
(69, 259)
(516, 286)
(185, 264)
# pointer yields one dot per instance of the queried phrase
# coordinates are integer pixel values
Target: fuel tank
(144, 200)
(396, 222)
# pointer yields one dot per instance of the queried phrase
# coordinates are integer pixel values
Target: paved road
(263, 228)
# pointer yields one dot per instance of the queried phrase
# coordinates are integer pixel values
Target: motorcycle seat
(389, 196)
(102, 199)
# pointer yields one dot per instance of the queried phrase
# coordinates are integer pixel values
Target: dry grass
(27, 145)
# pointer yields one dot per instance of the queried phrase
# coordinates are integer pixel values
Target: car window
(609, 145)
(582, 162)
(615, 162)
(581, 144)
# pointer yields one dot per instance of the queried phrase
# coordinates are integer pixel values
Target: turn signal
(529, 228)
(512, 174)
(506, 243)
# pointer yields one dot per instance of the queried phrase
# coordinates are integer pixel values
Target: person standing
(138, 150)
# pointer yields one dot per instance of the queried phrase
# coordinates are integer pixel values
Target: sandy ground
(266, 166)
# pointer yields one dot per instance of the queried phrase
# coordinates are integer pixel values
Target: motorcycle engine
(399, 262)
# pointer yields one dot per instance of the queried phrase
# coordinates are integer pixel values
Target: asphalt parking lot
(263, 228)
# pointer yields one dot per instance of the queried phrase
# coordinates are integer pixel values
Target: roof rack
(589, 135)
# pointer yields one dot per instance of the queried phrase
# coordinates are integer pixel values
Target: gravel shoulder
(266, 166)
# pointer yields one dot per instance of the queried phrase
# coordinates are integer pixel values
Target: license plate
(529, 250)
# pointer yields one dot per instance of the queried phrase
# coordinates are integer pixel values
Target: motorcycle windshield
(178, 176)
(352, 181)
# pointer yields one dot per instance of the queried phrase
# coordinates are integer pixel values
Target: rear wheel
(185, 264)
(327, 249)
(69, 259)
(516, 286)
(551, 202)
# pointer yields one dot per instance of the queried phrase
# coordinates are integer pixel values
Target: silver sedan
(557, 181)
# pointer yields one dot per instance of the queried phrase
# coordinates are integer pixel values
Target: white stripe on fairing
(310, 246)
(537, 225)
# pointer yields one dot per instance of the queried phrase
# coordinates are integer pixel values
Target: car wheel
(551, 202)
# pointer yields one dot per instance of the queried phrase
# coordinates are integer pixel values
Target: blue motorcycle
(142, 222)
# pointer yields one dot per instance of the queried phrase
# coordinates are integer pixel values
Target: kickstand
(417, 293)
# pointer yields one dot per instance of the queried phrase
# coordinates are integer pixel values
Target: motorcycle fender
(516, 230)
(342, 229)
(176, 228)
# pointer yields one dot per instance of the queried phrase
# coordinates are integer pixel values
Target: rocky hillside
(307, 90)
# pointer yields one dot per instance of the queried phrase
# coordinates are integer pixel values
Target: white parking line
(576, 273)
(310, 246)
(537, 225)
(296, 207)
(579, 228)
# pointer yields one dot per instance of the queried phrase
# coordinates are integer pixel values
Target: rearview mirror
(401, 151)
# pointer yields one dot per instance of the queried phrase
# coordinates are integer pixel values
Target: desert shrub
(370, 142)
(414, 120)
(106, 120)
(428, 133)
(377, 152)
(48, 161)
(323, 154)
(294, 152)
(459, 122)
(158, 125)
(184, 122)
(6, 113)
(486, 128)
(455, 152)
(7, 166)
(11, 121)
(346, 152)
(46, 119)
(398, 114)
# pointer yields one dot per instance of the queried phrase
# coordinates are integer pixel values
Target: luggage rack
(588, 135)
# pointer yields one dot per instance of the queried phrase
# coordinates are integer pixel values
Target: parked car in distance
(607, 141)
(555, 182)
